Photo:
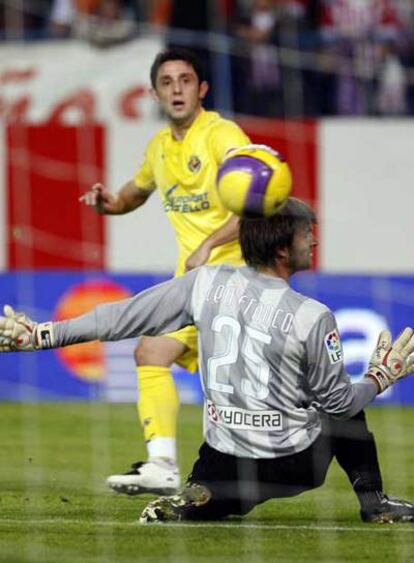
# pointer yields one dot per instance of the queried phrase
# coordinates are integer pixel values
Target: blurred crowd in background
(277, 58)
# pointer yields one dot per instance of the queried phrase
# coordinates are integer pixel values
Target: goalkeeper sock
(158, 405)
(356, 452)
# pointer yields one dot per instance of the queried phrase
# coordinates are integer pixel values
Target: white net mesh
(73, 115)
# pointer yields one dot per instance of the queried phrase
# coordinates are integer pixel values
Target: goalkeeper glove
(392, 361)
(18, 333)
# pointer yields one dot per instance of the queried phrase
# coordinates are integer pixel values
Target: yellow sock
(158, 402)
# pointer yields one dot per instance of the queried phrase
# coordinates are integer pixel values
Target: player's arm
(132, 195)
(163, 308)
(329, 381)
(128, 198)
(226, 233)
(226, 137)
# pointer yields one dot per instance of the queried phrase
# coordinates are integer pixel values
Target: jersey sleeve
(327, 378)
(144, 176)
(225, 137)
(166, 307)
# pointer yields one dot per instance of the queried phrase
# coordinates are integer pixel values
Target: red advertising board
(48, 167)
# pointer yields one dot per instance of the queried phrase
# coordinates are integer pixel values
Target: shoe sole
(389, 518)
(160, 511)
(170, 508)
(134, 490)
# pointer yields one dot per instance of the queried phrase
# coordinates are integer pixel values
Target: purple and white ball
(254, 180)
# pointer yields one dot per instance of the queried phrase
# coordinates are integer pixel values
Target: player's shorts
(188, 336)
(239, 484)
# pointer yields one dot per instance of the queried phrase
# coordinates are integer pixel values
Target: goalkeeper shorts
(238, 484)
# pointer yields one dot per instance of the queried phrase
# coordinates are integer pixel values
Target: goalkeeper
(279, 404)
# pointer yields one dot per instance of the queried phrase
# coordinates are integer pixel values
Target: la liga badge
(333, 347)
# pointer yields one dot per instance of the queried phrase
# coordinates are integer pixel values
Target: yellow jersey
(184, 171)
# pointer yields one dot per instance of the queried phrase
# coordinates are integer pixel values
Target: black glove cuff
(44, 337)
(380, 376)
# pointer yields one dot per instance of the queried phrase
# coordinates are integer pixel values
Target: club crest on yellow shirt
(194, 164)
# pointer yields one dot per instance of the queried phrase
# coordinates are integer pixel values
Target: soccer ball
(254, 179)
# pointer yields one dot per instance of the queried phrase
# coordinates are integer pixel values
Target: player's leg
(157, 405)
(222, 484)
(212, 492)
(356, 452)
(158, 400)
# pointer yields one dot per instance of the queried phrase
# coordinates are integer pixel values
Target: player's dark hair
(262, 238)
(176, 54)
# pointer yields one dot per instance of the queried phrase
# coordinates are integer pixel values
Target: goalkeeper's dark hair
(262, 238)
(176, 54)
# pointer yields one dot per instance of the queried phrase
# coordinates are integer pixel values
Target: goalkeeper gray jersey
(270, 358)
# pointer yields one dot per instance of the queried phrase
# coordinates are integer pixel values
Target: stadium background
(76, 115)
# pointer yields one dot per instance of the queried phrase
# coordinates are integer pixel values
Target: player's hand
(100, 198)
(392, 361)
(18, 333)
(199, 257)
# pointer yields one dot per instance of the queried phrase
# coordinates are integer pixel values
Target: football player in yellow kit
(181, 162)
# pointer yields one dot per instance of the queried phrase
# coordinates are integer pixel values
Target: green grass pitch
(54, 506)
